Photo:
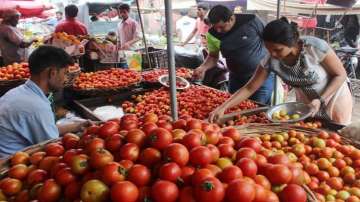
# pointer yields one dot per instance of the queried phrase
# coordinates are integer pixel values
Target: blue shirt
(26, 118)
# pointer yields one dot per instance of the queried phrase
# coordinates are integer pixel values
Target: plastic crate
(158, 58)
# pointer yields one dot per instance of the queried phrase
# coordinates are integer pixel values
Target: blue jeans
(262, 95)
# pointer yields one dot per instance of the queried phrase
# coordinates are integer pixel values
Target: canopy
(229, 3)
(297, 6)
(27, 8)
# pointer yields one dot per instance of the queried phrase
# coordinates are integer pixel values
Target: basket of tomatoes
(105, 82)
(12, 76)
(151, 77)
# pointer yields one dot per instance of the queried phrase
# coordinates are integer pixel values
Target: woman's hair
(281, 31)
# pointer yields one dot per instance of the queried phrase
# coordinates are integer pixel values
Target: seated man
(26, 116)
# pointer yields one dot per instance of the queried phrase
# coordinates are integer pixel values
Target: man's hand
(216, 114)
(199, 72)
(315, 106)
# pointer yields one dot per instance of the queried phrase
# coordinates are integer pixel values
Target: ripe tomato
(226, 150)
(20, 158)
(170, 172)
(64, 176)
(186, 195)
(164, 191)
(150, 156)
(186, 174)
(165, 124)
(23, 196)
(94, 144)
(150, 117)
(136, 136)
(36, 176)
(260, 193)
(209, 189)
(226, 140)
(230, 173)
(54, 149)
(109, 128)
(47, 162)
(180, 124)
(212, 137)
(49, 192)
(72, 190)
(215, 152)
(160, 138)
(293, 193)
(124, 191)
(246, 152)
(263, 181)
(70, 141)
(112, 172)
(279, 159)
(279, 174)
(94, 190)
(10, 186)
(240, 190)
(68, 155)
(139, 175)
(129, 151)
(200, 175)
(191, 140)
(248, 167)
(250, 143)
(80, 164)
(148, 127)
(99, 158)
(193, 124)
(177, 153)
(200, 156)
(144, 194)
(36, 157)
(232, 133)
(92, 129)
(18, 171)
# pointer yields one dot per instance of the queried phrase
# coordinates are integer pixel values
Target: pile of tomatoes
(244, 119)
(107, 79)
(15, 71)
(196, 101)
(158, 160)
(153, 75)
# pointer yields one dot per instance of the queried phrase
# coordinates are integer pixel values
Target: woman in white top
(306, 63)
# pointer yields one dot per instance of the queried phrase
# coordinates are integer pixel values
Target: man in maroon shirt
(70, 25)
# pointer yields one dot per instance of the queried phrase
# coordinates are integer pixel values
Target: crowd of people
(253, 52)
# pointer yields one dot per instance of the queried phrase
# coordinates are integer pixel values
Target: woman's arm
(243, 93)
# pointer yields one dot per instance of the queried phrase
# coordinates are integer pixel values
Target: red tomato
(246, 152)
(20, 158)
(230, 173)
(124, 191)
(200, 175)
(80, 164)
(232, 133)
(240, 190)
(68, 155)
(164, 191)
(260, 194)
(194, 124)
(47, 163)
(263, 181)
(191, 140)
(36, 157)
(226, 150)
(200, 156)
(113, 172)
(209, 190)
(19, 171)
(94, 144)
(109, 128)
(36, 176)
(139, 175)
(148, 127)
(136, 136)
(10, 186)
(129, 151)
(177, 153)
(160, 138)
(150, 156)
(293, 193)
(186, 174)
(170, 172)
(64, 176)
(248, 167)
(50, 191)
(99, 158)
(54, 149)
(250, 143)
(186, 195)
(70, 141)
(72, 190)
(215, 152)
(279, 159)
(279, 174)
(179, 124)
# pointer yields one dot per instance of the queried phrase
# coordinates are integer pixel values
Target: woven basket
(71, 76)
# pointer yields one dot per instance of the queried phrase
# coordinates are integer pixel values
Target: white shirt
(186, 25)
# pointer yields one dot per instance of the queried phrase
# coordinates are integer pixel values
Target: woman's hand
(216, 114)
(315, 106)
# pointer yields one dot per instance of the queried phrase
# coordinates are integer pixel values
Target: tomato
(200, 156)
(164, 191)
(127, 164)
(200, 175)
(150, 156)
(94, 144)
(10, 186)
(186, 174)
(230, 173)
(80, 164)
(36, 157)
(232, 133)
(186, 195)
(54, 149)
(226, 150)
(23, 196)
(113, 172)
(260, 194)
(250, 143)
(240, 190)
(248, 167)
(193, 124)
(160, 138)
(64, 176)
(109, 128)
(136, 136)
(70, 141)
(279, 174)
(72, 190)
(177, 153)
(212, 137)
(94, 190)
(165, 124)
(129, 151)
(92, 129)
(279, 159)
(35, 190)
(20, 158)
(263, 181)
(50, 191)
(246, 152)
(144, 194)
(293, 193)
(68, 155)
(226, 140)
(179, 124)
(191, 140)
(260, 160)
(18, 171)
(148, 127)
(170, 172)
(209, 189)
(100, 158)
(139, 175)
(150, 117)
(36, 176)
(124, 191)
(215, 152)
(47, 162)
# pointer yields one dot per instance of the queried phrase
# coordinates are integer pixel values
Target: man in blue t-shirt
(26, 116)
(238, 39)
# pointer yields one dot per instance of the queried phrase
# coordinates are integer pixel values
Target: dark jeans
(262, 95)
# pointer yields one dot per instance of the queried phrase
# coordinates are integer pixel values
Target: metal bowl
(164, 80)
(291, 108)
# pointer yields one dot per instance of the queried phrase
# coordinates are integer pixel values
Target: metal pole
(143, 34)
(275, 79)
(171, 58)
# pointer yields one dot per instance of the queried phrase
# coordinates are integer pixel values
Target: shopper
(128, 29)
(26, 117)
(238, 38)
(306, 63)
(201, 27)
(55, 20)
(184, 27)
(12, 43)
(70, 25)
